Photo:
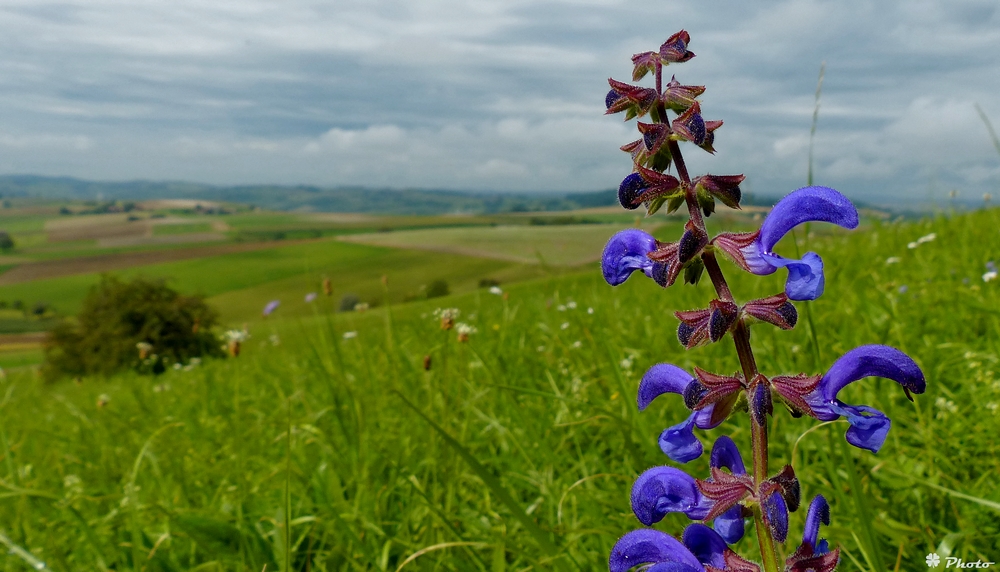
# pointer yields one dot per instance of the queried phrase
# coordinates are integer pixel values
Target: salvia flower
(814, 553)
(677, 442)
(726, 455)
(625, 253)
(662, 490)
(869, 426)
(648, 546)
(753, 251)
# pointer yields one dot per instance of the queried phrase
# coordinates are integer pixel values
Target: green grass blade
(540, 536)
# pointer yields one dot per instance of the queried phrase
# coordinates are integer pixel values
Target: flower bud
(633, 99)
(630, 191)
(776, 515)
(760, 400)
(674, 50)
(643, 64)
(776, 310)
(692, 242)
(690, 126)
(724, 314)
(710, 127)
(679, 98)
(726, 188)
(791, 490)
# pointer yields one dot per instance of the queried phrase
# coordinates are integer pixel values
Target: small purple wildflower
(753, 251)
(677, 442)
(869, 426)
(271, 307)
(310, 297)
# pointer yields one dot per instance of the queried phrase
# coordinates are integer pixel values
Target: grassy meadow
(378, 441)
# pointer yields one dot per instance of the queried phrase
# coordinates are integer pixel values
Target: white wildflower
(892, 260)
(495, 290)
(990, 276)
(447, 313)
(590, 310)
(235, 335)
(463, 328)
(350, 335)
(571, 305)
(577, 344)
(945, 407)
(564, 326)
(561, 308)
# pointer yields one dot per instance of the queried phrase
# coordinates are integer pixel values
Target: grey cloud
(492, 94)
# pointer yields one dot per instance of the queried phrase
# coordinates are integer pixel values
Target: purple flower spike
(805, 277)
(729, 525)
(819, 512)
(662, 490)
(271, 306)
(677, 442)
(869, 426)
(625, 253)
(648, 546)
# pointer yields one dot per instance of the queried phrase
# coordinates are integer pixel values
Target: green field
(515, 451)
(239, 284)
(559, 245)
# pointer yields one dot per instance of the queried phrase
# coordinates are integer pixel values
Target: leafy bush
(437, 289)
(117, 316)
(348, 302)
(6, 242)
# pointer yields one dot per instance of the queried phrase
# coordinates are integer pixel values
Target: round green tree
(140, 324)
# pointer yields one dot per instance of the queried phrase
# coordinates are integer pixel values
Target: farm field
(246, 258)
(327, 445)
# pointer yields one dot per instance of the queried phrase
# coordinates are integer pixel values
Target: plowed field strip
(123, 260)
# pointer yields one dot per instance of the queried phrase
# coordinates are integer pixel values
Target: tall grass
(515, 451)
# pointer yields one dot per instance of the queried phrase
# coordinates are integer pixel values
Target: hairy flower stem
(741, 337)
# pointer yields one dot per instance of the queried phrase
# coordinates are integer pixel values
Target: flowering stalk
(727, 498)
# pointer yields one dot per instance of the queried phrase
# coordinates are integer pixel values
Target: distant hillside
(305, 198)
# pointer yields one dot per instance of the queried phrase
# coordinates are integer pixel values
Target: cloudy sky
(494, 95)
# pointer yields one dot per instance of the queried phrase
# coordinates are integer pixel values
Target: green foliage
(118, 315)
(6, 242)
(437, 288)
